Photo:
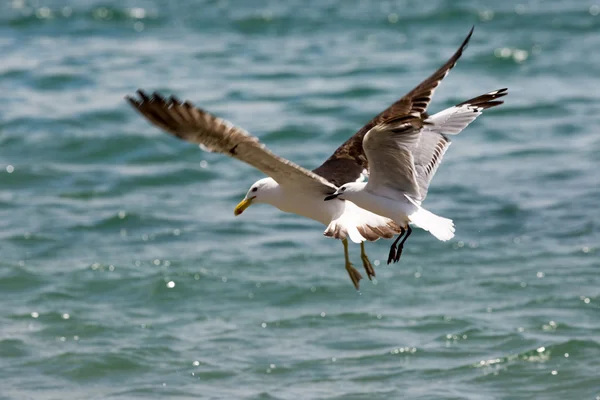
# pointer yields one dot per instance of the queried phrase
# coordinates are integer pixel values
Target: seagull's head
(261, 191)
(346, 191)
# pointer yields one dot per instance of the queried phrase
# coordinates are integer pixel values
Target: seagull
(404, 153)
(289, 187)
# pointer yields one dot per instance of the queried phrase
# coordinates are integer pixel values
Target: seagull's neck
(292, 200)
(272, 194)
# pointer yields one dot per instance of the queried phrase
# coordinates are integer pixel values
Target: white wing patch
(364, 175)
(453, 120)
(205, 148)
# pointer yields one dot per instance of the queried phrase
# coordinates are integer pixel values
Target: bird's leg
(355, 276)
(366, 263)
(392, 254)
(401, 245)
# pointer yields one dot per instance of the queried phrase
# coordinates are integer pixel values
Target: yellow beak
(242, 206)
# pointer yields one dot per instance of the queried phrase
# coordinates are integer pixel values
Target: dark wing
(198, 126)
(349, 160)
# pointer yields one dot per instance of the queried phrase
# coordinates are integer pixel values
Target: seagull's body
(290, 187)
(404, 153)
(342, 218)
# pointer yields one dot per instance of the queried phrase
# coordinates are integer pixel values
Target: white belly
(397, 210)
(310, 206)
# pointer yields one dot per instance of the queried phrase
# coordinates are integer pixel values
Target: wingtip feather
(143, 95)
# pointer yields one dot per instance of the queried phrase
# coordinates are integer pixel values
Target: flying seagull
(290, 187)
(404, 152)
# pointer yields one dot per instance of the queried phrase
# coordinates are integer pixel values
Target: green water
(124, 274)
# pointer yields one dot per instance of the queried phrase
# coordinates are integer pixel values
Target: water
(124, 274)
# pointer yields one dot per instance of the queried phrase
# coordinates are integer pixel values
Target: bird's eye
(254, 189)
(343, 189)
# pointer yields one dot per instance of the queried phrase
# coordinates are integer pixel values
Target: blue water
(124, 274)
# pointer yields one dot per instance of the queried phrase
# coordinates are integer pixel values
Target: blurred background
(124, 274)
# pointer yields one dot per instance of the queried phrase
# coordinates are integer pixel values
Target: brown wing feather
(351, 155)
(198, 126)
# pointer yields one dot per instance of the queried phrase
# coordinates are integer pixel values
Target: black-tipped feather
(487, 100)
(349, 160)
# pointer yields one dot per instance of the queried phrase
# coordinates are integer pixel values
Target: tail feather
(440, 227)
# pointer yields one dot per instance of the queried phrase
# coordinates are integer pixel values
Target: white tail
(441, 228)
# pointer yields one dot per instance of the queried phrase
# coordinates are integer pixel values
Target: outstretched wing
(195, 125)
(433, 142)
(349, 160)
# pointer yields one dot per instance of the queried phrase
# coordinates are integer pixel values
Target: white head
(262, 191)
(347, 191)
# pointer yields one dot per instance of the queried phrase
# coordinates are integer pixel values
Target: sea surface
(125, 275)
